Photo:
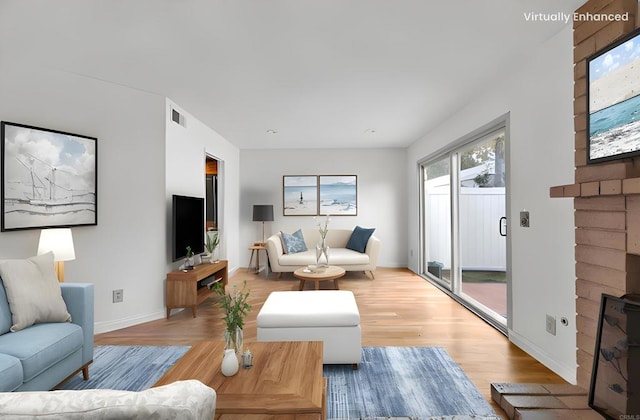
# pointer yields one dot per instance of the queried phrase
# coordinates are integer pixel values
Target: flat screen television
(614, 391)
(187, 225)
(613, 101)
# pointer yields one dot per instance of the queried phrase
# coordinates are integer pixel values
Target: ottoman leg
(354, 366)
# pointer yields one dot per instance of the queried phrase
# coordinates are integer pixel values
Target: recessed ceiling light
(272, 131)
(370, 131)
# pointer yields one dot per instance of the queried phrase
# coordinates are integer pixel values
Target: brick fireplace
(606, 195)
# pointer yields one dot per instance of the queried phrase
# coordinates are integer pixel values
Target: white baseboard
(102, 327)
(568, 373)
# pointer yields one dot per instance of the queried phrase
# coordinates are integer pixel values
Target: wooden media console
(188, 288)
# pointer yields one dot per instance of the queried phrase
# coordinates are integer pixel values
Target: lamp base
(59, 267)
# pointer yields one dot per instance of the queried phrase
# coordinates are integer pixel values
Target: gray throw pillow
(293, 243)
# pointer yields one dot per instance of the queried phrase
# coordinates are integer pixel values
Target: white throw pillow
(33, 291)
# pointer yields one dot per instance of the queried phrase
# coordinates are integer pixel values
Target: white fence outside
(482, 246)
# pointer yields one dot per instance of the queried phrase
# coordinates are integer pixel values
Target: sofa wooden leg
(370, 274)
(354, 366)
(85, 372)
(278, 276)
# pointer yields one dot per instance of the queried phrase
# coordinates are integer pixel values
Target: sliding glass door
(464, 224)
(437, 239)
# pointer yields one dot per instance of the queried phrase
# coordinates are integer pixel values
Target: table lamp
(60, 242)
(263, 213)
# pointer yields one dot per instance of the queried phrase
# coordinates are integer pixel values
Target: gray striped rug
(417, 382)
(396, 383)
(127, 368)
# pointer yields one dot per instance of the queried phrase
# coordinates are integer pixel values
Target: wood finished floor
(398, 308)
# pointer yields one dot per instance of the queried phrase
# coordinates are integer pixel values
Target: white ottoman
(330, 316)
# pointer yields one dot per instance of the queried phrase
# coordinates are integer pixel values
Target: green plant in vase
(188, 259)
(211, 244)
(236, 308)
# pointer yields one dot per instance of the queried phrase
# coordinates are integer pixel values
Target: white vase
(229, 363)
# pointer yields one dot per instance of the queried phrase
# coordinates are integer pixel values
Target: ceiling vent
(177, 118)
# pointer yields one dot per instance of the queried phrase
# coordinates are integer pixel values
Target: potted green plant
(211, 244)
(188, 259)
(236, 308)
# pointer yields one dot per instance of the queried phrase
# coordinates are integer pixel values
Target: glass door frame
(454, 287)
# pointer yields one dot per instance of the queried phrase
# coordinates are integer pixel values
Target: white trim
(568, 373)
(102, 327)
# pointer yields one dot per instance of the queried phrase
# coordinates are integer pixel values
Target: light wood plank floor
(398, 308)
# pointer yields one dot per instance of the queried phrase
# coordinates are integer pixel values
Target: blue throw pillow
(293, 243)
(359, 238)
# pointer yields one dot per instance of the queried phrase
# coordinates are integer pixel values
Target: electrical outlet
(118, 295)
(551, 324)
(524, 219)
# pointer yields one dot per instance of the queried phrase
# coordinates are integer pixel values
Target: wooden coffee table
(285, 380)
(332, 272)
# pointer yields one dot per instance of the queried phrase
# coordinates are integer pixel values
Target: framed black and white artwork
(49, 178)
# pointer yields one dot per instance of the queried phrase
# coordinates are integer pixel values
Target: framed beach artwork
(613, 100)
(49, 178)
(300, 195)
(339, 195)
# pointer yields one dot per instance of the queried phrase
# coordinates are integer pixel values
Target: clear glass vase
(322, 254)
(234, 341)
(213, 257)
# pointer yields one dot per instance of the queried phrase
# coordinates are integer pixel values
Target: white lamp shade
(60, 241)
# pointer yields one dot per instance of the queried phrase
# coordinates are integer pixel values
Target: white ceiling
(321, 73)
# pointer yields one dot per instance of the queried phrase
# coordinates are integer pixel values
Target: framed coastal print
(613, 101)
(339, 195)
(300, 195)
(49, 178)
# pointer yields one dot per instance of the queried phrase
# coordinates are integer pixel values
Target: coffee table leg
(317, 282)
(335, 284)
(301, 285)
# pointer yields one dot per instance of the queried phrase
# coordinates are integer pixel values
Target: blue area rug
(416, 382)
(419, 382)
(127, 368)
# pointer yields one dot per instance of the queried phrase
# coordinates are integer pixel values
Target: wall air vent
(177, 118)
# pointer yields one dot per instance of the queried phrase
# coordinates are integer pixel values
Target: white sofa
(188, 400)
(338, 255)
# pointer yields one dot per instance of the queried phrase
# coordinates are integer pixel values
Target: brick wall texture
(607, 213)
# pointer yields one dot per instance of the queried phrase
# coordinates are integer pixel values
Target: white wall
(130, 247)
(382, 193)
(539, 99)
(126, 249)
(186, 150)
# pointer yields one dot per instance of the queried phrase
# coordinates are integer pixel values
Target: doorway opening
(211, 198)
